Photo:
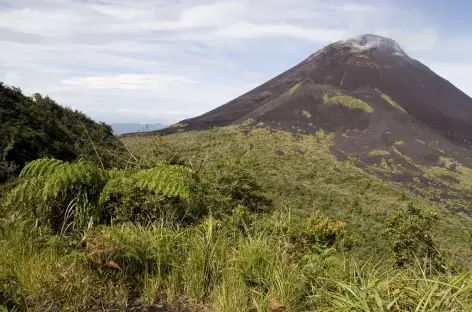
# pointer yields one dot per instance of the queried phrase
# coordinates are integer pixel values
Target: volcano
(366, 90)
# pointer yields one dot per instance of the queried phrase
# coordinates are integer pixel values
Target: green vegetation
(391, 102)
(399, 143)
(348, 101)
(409, 233)
(92, 195)
(447, 175)
(378, 152)
(307, 114)
(217, 221)
(34, 127)
(293, 89)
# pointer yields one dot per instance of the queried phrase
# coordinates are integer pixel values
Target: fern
(73, 177)
(47, 187)
(52, 190)
(169, 181)
(165, 180)
(49, 179)
(40, 167)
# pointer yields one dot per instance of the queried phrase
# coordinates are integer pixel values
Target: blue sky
(162, 60)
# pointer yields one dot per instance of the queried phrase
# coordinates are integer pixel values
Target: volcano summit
(368, 92)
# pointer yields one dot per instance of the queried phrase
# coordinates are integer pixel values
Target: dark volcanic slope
(381, 104)
(397, 118)
(367, 60)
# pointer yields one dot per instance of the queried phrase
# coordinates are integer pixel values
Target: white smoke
(367, 42)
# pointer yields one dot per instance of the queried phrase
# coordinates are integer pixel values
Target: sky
(152, 61)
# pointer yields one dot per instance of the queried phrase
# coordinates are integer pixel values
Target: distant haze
(122, 128)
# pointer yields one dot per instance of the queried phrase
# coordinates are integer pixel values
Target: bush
(11, 296)
(409, 232)
(321, 231)
(220, 189)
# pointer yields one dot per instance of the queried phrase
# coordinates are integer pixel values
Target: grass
(219, 269)
(349, 101)
(391, 102)
(319, 247)
(398, 143)
(307, 177)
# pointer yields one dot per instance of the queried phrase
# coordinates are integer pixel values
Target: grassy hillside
(231, 219)
(300, 172)
(34, 127)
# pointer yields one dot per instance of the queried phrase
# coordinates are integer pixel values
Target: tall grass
(211, 265)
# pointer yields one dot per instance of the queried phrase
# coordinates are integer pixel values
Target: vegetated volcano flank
(382, 105)
(368, 84)
(369, 68)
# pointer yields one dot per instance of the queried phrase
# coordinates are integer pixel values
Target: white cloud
(422, 39)
(360, 8)
(250, 30)
(162, 59)
(125, 81)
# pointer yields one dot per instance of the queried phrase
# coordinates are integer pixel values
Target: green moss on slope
(307, 114)
(293, 89)
(391, 102)
(348, 101)
(379, 152)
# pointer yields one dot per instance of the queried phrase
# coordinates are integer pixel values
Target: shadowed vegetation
(34, 127)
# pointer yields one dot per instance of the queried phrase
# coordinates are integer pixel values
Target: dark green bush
(11, 295)
(409, 232)
(218, 190)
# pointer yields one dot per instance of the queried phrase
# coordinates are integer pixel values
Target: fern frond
(117, 173)
(25, 192)
(73, 176)
(167, 180)
(40, 167)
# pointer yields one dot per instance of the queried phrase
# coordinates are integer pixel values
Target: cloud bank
(162, 60)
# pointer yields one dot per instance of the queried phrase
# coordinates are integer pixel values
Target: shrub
(219, 190)
(409, 233)
(320, 230)
(314, 234)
